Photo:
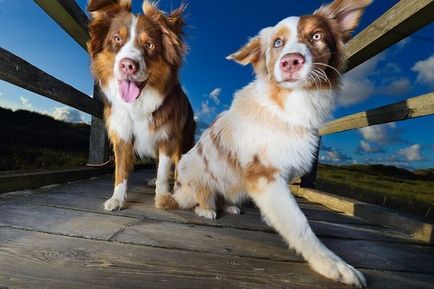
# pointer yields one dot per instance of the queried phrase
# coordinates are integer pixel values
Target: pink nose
(128, 66)
(292, 62)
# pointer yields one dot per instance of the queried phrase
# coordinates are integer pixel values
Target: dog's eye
(278, 42)
(117, 38)
(317, 37)
(150, 45)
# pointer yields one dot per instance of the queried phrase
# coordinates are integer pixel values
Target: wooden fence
(403, 19)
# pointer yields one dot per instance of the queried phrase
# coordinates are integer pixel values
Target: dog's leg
(206, 203)
(162, 190)
(281, 210)
(124, 161)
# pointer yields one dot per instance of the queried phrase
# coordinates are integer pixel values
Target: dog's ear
(253, 52)
(151, 10)
(102, 11)
(95, 6)
(344, 15)
(249, 53)
(175, 19)
(172, 30)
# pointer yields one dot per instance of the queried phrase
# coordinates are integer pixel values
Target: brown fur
(226, 154)
(124, 158)
(255, 171)
(159, 37)
(326, 50)
(166, 202)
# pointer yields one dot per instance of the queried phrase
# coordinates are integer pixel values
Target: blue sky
(218, 28)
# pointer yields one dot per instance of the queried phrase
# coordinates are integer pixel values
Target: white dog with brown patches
(270, 133)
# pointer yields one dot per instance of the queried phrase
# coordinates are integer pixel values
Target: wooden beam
(400, 21)
(34, 179)
(69, 16)
(417, 229)
(21, 73)
(407, 109)
(98, 142)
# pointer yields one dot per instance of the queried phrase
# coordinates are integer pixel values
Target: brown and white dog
(135, 59)
(270, 133)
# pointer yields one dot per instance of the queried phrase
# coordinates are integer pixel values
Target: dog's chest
(132, 122)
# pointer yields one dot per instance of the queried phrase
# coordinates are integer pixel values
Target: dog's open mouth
(130, 90)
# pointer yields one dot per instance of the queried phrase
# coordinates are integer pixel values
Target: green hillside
(410, 192)
(30, 140)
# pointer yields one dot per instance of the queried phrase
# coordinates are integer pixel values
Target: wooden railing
(399, 22)
(403, 19)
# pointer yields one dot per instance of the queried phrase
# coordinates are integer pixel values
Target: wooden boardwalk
(60, 237)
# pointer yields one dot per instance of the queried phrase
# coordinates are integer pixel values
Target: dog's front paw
(114, 204)
(234, 210)
(206, 213)
(339, 271)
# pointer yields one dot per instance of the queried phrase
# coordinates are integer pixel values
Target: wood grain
(14, 181)
(23, 74)
(400, 21)
(411, 108)
(69, 16)
(62, 262)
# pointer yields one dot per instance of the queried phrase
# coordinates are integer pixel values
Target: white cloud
(1, 93)
(205, 108)
(425, 71)
(67, 114)
(403, 42)
(366, 147)
(334, 156)
(25, 102)
(382, 134)
(215, 95)
(397, 87)
(357, 87)
(411, 153)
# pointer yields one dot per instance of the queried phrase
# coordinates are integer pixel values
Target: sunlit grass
(395, 188)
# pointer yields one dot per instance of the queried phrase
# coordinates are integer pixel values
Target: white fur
(285, 141)
(119, 198)
(163, 174)
(206, 213)
(282, 211)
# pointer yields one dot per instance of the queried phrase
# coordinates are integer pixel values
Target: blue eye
(278, 42)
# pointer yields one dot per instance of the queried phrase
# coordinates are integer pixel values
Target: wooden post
(98, 143)
(309, 180)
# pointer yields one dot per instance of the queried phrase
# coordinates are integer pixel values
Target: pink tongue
(129, 90)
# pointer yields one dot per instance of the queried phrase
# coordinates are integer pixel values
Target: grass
(399, 189)
(30, 140)
(24, 158)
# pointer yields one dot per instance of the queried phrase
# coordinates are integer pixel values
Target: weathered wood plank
(98, 142)
(411, 108)
(144, 208)
(140, 204)
(61, 221)
(417, 229)
(32, 258)
(228, 241)
(21, 73)
(28, 180)
(69, 16)
(400, 21)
